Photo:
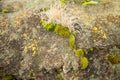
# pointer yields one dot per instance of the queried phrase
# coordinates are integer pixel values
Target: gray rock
(25, 46)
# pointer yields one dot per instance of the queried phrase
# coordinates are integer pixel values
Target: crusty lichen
(31, 46)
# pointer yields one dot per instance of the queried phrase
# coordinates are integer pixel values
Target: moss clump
(31, 74)
(48, 26)
(57, 28)
(84, 62)
(79, 53)
(113, 58)
(72, 41)
(62, 30)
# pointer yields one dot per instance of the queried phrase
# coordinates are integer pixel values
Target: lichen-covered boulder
(30, 51)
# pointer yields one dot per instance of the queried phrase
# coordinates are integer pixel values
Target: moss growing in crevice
(57, 28)
(65, 32)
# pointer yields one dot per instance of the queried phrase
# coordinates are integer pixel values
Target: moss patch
(113, 58)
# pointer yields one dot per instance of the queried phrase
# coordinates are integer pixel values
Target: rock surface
(28, 51)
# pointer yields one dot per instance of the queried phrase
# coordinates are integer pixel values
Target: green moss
(79, 53)
(61, 30)
(72, 41)
(84, 62)
(113, 58)
(48, 26)
(57, 28)
(43, 23)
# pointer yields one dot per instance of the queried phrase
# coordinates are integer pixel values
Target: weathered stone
(26, 47)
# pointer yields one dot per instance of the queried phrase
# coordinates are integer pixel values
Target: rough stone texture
(25, 46)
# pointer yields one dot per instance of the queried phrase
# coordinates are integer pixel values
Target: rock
(26, 47)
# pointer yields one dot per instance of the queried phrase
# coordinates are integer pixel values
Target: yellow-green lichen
(31, 46)
(99, 32)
